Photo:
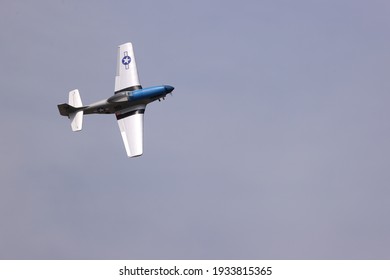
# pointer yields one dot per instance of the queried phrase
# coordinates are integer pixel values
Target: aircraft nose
(169, 88)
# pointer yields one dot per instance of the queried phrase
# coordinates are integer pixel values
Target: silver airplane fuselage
(125, 99)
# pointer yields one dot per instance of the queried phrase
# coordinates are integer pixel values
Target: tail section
(76, 118)
(75, 99)
(73, 110)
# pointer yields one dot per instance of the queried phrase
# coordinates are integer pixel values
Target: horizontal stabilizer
(76, 120)
(75, 99)
(74, 110)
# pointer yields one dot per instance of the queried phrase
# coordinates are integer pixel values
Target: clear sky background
(275, 144)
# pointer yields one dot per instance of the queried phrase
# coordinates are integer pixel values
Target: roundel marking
(126, 60)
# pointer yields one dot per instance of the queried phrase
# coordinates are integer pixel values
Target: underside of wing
(131, 122)
(126, 71)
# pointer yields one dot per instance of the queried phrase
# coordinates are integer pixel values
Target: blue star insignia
(126, 60)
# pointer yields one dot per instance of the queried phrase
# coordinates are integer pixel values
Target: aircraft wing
(131, 122)
(126, 69)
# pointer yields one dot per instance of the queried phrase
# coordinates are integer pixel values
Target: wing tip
(134, 155)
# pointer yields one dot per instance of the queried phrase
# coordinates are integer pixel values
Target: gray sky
(275, 144)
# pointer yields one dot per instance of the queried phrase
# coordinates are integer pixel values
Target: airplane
(128, 103)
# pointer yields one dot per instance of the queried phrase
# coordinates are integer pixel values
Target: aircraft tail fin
(73, 110)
